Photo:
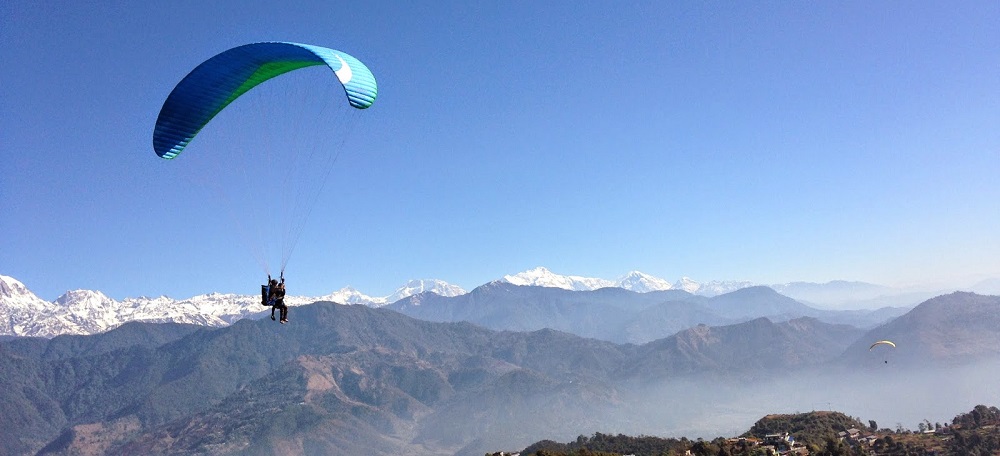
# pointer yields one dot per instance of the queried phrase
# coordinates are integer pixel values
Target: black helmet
(274, 281)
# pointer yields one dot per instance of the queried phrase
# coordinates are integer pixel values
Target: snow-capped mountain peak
(83, 298)
(350, 295)
(17, 304)
(718, 287)
(688, 285)
(414, 287)
(642, 283)
(635, 281)
(542, 277)
(711, 288)
(12, 288)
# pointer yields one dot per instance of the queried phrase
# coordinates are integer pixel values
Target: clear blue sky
(767, 141)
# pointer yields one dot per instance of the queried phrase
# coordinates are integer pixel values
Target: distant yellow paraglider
(883, 342)
(886, 342)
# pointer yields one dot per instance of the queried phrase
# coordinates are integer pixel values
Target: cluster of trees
(605, 444)
(976, 433)
(979, 442)
(980, 416)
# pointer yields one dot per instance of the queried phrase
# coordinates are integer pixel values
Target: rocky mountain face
(18, 306)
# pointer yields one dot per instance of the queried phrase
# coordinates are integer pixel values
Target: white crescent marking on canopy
(344, 73)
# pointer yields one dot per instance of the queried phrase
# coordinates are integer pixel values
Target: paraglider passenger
(276, 299)
(267, 290)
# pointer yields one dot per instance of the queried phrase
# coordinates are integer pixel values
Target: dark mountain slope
(951, 329)
(125, 390)
(48, 383)
(356, 403)
(374, 401)
(127, 335)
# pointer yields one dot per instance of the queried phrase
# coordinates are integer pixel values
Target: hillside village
(976, 432)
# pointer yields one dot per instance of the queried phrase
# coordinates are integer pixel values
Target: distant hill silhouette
(951, 329)
(756, 345)
(601, 314)
(618, 315)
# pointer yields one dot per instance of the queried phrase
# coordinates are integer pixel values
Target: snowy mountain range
(22, 313)
(633, 281)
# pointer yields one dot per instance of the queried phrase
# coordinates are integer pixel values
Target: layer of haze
(709, 408)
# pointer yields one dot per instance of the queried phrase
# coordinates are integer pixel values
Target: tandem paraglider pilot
(213, 85)
(273, 294)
